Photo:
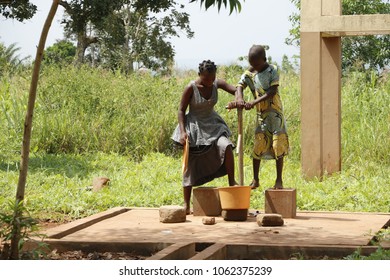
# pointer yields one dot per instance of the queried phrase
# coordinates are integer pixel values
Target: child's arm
(270, 93)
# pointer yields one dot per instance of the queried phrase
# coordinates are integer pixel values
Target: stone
(269, 220)
(172, 214)
(206, 202)
(99, 183)
(235, 214)
(208, 221)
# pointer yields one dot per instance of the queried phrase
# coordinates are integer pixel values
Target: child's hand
(248, 105)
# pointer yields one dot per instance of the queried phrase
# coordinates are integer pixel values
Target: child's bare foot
(255, 184)
(278, 184)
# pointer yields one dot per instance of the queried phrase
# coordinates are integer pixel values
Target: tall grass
(90, 123)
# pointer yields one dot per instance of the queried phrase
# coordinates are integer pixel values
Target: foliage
(9, 221)
(9, 59)
(116, 34)
(366, 51)
(359, 52)
(379, 254)
(91, 122)
(61, 52)
(18, 9)
(138, 35)
(234, 4)
(79, 15)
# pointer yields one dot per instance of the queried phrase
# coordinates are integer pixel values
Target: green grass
(90, 123)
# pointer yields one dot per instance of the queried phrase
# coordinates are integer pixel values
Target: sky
(220, 37)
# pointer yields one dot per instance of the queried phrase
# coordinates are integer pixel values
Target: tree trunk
(80, 49)
(83, 42)
(27, 131)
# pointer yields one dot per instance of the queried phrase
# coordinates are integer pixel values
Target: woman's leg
(229, 165)
(187, 198)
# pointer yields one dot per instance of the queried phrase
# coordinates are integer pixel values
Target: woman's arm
(226, 87)
(185, 100)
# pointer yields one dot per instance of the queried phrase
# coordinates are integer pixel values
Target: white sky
(218, 36)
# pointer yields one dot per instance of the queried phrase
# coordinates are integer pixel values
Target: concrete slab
(142, 225)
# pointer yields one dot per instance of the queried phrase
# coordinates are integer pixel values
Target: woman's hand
(183, 138)
(236, 104)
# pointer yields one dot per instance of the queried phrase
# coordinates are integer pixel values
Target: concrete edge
(216, 251)
(69, 228)
(286, 252)
(177, 251)
(145, 249)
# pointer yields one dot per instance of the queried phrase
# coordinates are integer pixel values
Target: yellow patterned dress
(271, 139)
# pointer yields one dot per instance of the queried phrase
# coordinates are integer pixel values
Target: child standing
(271, 140)
(210, 153)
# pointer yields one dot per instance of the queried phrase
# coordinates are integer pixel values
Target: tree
(25, 153)
(61, 52)
(140, 34)
(17, 9)
(80, 14)
(358, 52)
(122, 31)
(366, 51)
(9, 59)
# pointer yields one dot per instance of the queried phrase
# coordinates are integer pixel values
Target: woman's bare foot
(255, 184)
(187, 207)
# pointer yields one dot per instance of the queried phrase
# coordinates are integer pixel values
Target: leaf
(209, 3)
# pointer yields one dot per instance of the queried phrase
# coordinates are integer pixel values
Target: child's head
(207, 72)
(256, 57)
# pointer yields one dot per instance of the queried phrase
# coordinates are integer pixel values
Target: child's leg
(279, 172)
(229, 165)
(256, 168)
(187, 198)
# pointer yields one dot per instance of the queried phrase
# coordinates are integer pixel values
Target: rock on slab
(208, 221)
(269, 220)
(172, 214)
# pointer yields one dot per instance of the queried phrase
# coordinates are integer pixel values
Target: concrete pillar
(320, 92)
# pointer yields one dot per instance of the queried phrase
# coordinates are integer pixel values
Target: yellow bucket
(237, 197)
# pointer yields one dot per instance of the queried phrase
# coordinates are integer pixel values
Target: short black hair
(256, 52)
(207, 65)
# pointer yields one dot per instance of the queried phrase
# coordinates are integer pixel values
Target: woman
(211, 151)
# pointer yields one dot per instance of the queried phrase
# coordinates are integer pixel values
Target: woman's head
(207, 72)
(257, 58)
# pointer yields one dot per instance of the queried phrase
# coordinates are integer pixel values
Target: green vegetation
(91, 122)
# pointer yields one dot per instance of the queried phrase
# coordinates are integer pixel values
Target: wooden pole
(27, 129)
(240, 148)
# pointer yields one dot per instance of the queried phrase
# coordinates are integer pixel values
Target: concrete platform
(134, 228)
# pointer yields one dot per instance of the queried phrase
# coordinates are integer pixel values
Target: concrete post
(320, 92)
